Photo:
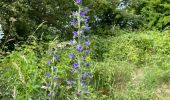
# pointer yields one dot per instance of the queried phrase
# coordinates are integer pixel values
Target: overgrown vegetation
(129, 50)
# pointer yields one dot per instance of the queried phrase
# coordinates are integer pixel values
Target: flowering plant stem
(52, 83)
(79, 55)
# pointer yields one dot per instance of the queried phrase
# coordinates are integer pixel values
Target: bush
(149, 50)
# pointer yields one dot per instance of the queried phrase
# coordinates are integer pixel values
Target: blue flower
(74, 13)
(86, 43)
(74, 21)
(87, 27)
(56, 84)
(81, 31)
(79, 48)
(85, 74)
(56, 56)
(84, 20)
(88, 64)
(69, 82)
(75, 33)
(78, 1)
(86, 9)
(72, 55)
(49, 94)
(82, 14)
(87, 51)
(85, 36)
(75, 65)
(84, 58)
(87, 18)
(71, 41)
(51, 51)
(55, 92)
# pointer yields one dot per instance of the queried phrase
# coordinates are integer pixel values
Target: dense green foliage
(42, 19)
(155, 13)
(130, 49)
(124, 57)
(45, 19)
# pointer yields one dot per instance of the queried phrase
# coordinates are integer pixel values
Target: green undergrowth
(114, 62)
(122, 55)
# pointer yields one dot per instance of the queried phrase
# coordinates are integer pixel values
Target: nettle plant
(79, 78)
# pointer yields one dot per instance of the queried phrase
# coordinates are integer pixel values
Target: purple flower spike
(82, 14)
(78, 1)
(69, 82)
(72, 55)
(79, 48)
(86, 43)
(85, 74)
(75, 33)
(75, 65)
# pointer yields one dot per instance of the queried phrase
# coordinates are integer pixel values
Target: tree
(22, 18)
(155, 13)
